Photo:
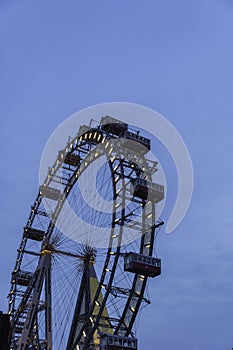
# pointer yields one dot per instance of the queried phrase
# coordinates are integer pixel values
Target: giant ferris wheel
(81, 272)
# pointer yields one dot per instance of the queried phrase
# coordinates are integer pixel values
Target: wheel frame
(135, 297)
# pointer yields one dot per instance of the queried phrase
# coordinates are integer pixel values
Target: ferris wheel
(85, 257)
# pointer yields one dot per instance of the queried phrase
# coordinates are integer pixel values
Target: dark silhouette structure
(4, 331)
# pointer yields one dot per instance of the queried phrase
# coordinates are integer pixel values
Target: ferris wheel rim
(39, 199)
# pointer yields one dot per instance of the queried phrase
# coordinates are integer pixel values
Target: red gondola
(22, 278)
(142, 264)
(34, 234)
(147, 190)
(113, 126)
(70, 158)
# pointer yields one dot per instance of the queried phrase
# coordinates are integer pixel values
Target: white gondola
(115, 342)
(136, 142)
(50, 192)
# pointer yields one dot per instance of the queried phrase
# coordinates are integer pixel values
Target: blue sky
(58, 57)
